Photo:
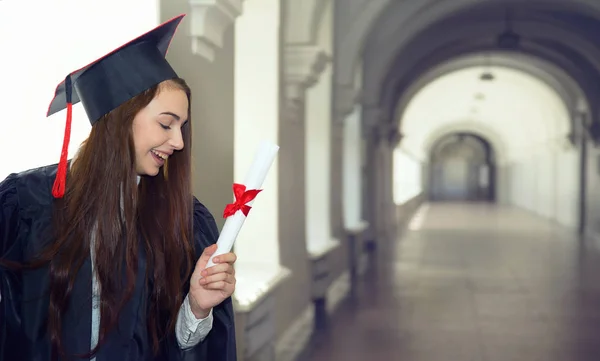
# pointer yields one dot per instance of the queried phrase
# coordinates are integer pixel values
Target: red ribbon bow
(242, 196)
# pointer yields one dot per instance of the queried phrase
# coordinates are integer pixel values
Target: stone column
(385, 209)
(393, 139)
(304, 133)
(349, 257)
(371, 138)
(301, 69)
(345, 100)
(354, 223)
(380, 174)
(337, 156)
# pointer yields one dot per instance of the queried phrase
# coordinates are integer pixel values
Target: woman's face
(157, 129)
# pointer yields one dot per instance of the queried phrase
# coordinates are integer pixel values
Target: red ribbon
(242, 196)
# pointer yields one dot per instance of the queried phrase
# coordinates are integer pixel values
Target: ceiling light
(486, 76)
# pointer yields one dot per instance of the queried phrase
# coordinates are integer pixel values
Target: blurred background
(436, 192)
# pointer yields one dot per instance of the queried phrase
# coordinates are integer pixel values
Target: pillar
(385, 209)
(346, 258)
(354, 224)
(320, 240)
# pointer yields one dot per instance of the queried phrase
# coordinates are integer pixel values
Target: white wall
(318, 143)
(34, 62)
(547, 184)
(257, 118)
(407, 176)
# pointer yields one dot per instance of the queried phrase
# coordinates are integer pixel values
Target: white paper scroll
(254, 179)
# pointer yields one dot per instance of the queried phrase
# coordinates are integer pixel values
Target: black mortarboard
(110, 81)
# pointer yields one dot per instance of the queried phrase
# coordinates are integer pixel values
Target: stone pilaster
(302, 66)
(209, 21)
(337, 154)
(345, 97)
(371, 139)
(385, 211)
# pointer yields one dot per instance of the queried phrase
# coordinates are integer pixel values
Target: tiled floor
(474, 283)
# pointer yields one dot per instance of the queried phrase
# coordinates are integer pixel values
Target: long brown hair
(102, 178)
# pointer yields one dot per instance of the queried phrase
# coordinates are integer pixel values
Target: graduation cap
(110, 81)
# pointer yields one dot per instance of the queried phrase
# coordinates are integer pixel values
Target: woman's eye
(165, 126)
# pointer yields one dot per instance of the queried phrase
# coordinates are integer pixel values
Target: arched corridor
(520, 118)
(436, 194)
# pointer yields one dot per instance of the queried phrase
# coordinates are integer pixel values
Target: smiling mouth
(160, 155)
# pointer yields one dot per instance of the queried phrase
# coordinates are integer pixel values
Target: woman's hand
(209, 287)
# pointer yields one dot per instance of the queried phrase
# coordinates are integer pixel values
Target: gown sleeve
(10, 250)
(220, 343)
(9, 216)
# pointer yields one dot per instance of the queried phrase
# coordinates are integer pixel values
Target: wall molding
(322, 267)
(255, 284)
(303, 66)
(304, 63)
(297, 337)
(254, 306)
(209, 21)
(345, 99)
(338, 291)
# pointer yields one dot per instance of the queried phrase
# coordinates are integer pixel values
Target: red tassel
(58, 190)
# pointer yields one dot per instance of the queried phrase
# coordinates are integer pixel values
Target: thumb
(208, 251)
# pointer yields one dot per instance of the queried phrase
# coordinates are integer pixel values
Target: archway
(513, 120)
(525, 113)
(461, 168)
(394, 44)
(400, 46)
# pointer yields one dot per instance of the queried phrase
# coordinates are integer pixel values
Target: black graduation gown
(25, 216)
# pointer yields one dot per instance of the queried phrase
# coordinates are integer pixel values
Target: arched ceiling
(408, 38)
(523, 112)
(556, 78)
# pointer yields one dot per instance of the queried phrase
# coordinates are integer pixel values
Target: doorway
(462, 169)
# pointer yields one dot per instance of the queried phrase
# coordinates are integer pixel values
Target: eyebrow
(172, 114)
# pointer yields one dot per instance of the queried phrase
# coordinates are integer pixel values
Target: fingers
(224, 286)
(208, 251)
(217, 281)
(225, 258)
(218, 268)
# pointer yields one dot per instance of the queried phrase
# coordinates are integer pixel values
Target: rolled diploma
(254, 179)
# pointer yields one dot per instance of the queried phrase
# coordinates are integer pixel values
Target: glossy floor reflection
(474, 283)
